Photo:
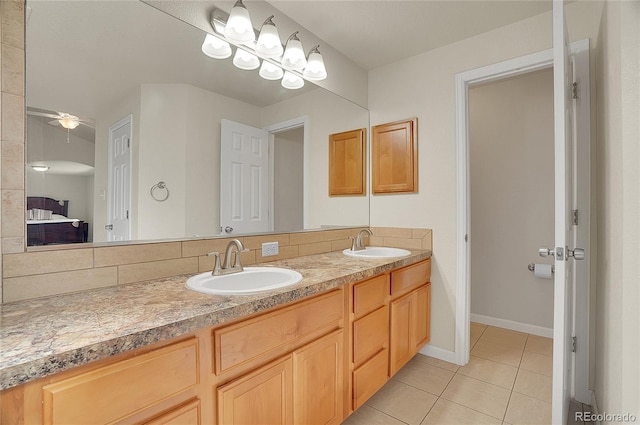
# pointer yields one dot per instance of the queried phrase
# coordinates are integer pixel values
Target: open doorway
(288, 183)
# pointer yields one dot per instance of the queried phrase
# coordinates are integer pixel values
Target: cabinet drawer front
(275, 333)
(408, 278)
(369, 378)
(369, 295)
(370, 334)
(118, 390)
(187, 414)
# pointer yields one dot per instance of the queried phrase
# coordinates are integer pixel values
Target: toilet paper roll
(543, 271)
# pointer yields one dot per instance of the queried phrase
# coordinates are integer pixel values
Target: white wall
(48, 143)
(617, 377)
(511, 176)
(328, 114)
(288, 185)
(423, 86)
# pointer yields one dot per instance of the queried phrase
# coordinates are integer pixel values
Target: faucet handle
(353, 243)
(216, 262)
(237, 257)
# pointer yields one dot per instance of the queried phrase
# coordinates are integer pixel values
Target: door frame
(301, 121)
(112, 128)
(463, 81)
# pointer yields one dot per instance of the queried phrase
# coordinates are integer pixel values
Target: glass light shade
(245, 60)
(239, 28)
(292, 81)
(268, 43)
(69, 122)
(293, 56)
(41, 168)
(215, 47)
(269, 71)
(315, 70)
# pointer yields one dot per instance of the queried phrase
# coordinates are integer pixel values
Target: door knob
(228, 229)
(545, 252)
(577, 253)
(108, 227)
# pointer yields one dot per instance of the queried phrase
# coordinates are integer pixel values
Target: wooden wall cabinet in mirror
(347, 169)
(394, 157)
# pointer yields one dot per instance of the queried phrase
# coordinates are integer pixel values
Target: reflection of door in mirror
(119, 189)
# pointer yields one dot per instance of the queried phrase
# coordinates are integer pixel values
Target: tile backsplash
(48, 272)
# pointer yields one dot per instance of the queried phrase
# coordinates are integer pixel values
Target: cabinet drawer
(370, 334)
(369, 378)
(369, 295)
(408, 278)
(118, 390)
(262, 338)
(187, 414)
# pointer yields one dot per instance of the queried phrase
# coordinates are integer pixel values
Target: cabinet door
(423, 316)
(261, 397)
(401, 338)
(318, 381)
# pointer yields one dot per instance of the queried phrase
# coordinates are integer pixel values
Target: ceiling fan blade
(42, 114)
(88, 124)
(54, 122)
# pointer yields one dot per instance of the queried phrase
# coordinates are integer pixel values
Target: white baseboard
(514, 326)
(439, 353)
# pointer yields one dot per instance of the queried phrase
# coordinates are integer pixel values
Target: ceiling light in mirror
(239, 28)
(315, 69)
(293, 56)
(216, 48)
(245, 60)
(269, 71)
(292, 81)
(269, 44)
(40, 168)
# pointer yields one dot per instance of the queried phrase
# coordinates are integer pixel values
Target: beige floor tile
(538, 363)
(476, 331)
(445, 412)
(403, 402)
(540, 345)
(366, 415)
(534, 385)
(489, 371)
(424, 376)
(525, 410)
(477, 395)
(504, 337)
(436, 362)
(506, 354)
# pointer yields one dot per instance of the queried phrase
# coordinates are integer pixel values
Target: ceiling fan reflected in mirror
(62, 119)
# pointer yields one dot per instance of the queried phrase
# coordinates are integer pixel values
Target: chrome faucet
(357, 243)
(226, 268)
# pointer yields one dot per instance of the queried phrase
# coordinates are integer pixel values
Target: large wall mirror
(136, 77)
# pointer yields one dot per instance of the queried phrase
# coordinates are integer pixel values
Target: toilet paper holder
(532, 267)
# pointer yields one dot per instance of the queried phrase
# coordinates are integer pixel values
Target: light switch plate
(269, 249)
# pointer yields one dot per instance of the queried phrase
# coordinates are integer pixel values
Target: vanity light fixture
(289, 63)
(245, 60)
(41, 168)
(215, 47)
(239, 28)
(293, 56)
(269, 44)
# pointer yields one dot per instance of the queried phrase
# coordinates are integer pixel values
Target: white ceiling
(379, 32)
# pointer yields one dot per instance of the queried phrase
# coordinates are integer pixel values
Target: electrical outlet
(269, 249)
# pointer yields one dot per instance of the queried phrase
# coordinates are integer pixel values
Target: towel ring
(161, 186)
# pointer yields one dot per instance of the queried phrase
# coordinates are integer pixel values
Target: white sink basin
(377, 252)
(249, 281)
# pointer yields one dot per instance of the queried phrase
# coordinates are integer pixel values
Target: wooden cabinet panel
(370, 294)
(116, 391)
(188, 414)
(261, 397)
(370, 377)
(347, 159)
(394, 157)
(318, 381)
(401, 341)
(276, 333)
(408, 278)
(423, 316)
(370, 334)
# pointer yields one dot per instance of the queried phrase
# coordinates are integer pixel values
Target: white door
(564, 238)
(119, 199)
(244, 179)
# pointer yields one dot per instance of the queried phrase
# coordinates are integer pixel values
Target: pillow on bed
(57, 217)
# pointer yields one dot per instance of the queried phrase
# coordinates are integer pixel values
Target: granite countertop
(43, 336)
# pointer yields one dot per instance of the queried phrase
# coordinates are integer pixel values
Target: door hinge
(127, 214)
(574, 90)
(574, 217)
(574, 343)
